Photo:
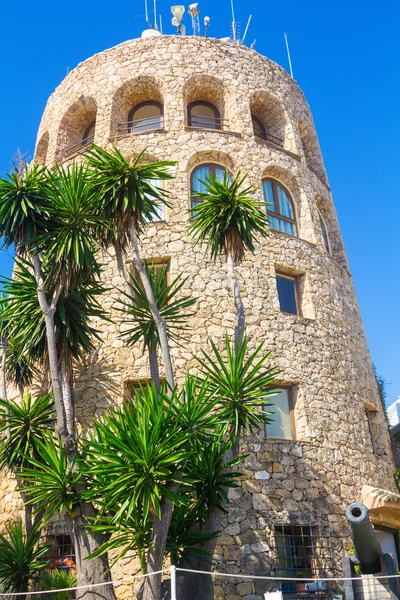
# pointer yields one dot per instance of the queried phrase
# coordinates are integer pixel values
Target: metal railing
(267, 137)
(208, 123)
(79, 146)
(142, 125)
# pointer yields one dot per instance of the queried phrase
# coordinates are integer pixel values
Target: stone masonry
(323, 354)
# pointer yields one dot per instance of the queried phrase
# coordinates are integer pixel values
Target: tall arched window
(324, 232)
(280, 209)
(88, 136)
(145, 117)
(259, 128)
(203, 115)
(199, 177)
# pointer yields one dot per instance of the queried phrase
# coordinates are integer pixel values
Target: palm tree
(129, 201)
(227, 219)
(138, 317)
(52, 218)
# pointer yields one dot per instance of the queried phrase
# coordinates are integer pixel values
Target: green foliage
(19, 558)
(24, 206)
(397, 478)
(173, 309)
(20, 366)
(51, 481)
(228, 217)
(28, 422)
(242, 383)
(382, 385)
(57, 580)
(126, 190)
(75, 334)
(135, 454)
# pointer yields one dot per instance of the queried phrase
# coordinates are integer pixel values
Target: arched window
(280, 209)
(324, 232)
(203, 115)
(259, 128)
(199, 177)
(145, 117)
(88, 136)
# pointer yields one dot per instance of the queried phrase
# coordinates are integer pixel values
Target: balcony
(145, 125)
(213, 123)
(84, 144)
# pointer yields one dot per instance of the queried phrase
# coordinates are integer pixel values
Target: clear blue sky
(345, 57)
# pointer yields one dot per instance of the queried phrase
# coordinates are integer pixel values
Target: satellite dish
(207, 21)
(175, 22)
(148, 33)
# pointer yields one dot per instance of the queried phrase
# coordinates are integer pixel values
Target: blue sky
(345, 57)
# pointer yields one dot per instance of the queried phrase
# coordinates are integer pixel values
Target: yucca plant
(20, 556)
(57, 580)
(227, 219)
(20, 367)
(129, 200)
(139, 324)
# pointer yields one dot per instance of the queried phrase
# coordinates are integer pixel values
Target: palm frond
(228, 218)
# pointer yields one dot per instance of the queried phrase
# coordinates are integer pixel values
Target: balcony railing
(79, 146)
(267, 137)
(208, 123)
(142, 125)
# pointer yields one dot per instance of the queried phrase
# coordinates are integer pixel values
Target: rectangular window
(61, 555)
(305, 552)
(281, 405)
(288, 293)
(160, 207)
(159, 265)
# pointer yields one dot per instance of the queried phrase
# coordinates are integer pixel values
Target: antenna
(161, 24)
(253, 45)
(177, 12)
(155, 14)
(288, 53)
(147, 14)
(207, 21)
(247, 27)
(233, 22)
(194, 13)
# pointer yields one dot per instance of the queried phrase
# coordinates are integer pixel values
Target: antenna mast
(247, 27)
(194, 13)
(233, 23)
(147, 14)
(155, 14)
(289, 59)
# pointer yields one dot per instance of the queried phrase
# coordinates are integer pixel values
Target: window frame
(261, 125)
(217, 114)
(297, 294)
(129, 123)
(148, 262)
(85, 141)
(290, 391)
(213, 173)
(159, 203)
(278, 214)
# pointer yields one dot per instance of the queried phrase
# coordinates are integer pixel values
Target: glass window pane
(284, 202)
(202, 115)
(200, 175)
(287, 294)
(281, 225)
(269, 196)
(281, 426)
(146, 117)
(157, 183)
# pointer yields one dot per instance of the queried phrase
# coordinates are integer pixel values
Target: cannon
(367, 550)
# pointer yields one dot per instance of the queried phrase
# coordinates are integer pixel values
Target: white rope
(301, 579)
(85, 587)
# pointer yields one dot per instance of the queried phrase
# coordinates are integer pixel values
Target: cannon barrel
(367, 549)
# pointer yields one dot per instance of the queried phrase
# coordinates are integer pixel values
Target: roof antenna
(161, 24)
(194, 13)
(233, 23)
(155, 14)
(247, 27)
(207, 21)
(253, 45)
(288, 53)
(147, 15)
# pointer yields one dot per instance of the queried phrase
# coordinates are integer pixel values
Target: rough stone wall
(322, 354)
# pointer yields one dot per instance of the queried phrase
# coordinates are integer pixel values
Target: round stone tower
(212, 106)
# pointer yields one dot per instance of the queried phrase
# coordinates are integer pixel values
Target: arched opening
(280, 206)
(311, 150)
(77, 128)
(41, 149)
(138, 107)
(268, 118)
(324, 232)
(204, 97)
(199, 178)
(145, 116)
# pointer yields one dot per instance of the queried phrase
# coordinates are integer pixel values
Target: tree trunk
(154, 370)
(159, 321)
(121, 268)
(48, 311)
(4, 342)
(193, 586)
(241, 323)
(89, 572)
(155, 554)
(68, 400)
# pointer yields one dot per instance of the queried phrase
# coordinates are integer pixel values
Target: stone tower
(212, 106)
